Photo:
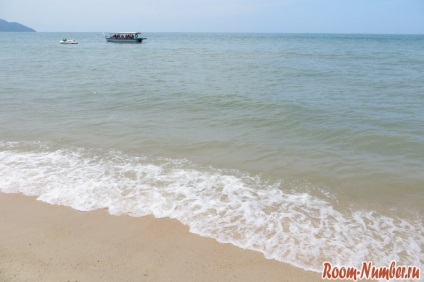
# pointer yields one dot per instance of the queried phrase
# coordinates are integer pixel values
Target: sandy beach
(42, 242)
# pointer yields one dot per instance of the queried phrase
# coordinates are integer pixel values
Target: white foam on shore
(230, 206)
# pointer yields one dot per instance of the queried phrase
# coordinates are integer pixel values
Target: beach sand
(42, 242)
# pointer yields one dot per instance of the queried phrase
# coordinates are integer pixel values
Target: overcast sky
(293, 16)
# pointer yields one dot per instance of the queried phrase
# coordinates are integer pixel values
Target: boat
(124, 37)
(68, 41)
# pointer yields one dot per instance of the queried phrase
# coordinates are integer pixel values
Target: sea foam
(231, 206)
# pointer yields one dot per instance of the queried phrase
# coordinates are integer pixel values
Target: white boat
(124, 37)
(68, 41)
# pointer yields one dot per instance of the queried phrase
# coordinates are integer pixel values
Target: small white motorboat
(68, 41)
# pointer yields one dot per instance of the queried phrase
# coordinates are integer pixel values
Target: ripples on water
(308, 139)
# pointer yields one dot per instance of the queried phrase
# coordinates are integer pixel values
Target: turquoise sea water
(305, 147)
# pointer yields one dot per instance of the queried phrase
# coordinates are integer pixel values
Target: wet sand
(42, 242)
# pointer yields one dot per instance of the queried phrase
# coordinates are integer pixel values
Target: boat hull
(124, 40)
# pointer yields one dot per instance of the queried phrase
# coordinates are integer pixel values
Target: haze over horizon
(283, 16)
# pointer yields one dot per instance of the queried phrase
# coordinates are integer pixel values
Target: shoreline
(43, 242)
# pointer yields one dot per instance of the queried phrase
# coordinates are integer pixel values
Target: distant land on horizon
(14, 27)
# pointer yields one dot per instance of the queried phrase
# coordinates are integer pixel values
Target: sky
(274, 16)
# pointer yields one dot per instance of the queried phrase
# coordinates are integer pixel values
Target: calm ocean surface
(304, 147)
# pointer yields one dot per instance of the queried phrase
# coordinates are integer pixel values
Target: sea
(308, 148)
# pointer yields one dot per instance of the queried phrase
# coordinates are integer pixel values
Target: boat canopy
(132, 32)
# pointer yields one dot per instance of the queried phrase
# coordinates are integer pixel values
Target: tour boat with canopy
(124, 37)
